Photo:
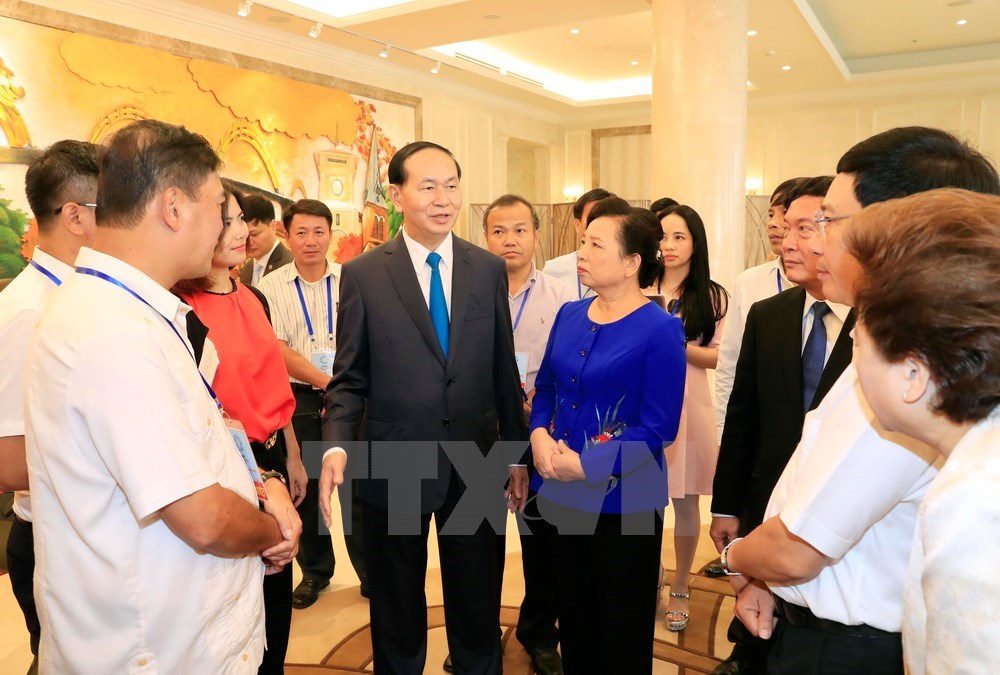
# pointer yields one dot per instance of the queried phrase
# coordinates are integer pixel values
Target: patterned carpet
(697, 649)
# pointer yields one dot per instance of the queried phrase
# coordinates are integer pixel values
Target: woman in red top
(241, 358)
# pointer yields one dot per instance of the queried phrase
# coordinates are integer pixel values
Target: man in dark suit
(425, 354)
(265, 251)
(768, 403)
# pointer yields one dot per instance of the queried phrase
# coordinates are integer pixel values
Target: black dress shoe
(737, 664)
(714, 569)
(546, 661)
(307, 591)
(447, 665)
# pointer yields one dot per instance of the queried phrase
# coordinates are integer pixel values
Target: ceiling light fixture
(574, 31)
(962, 22)
(633, 63)
(437, 68)
(316, 29)
(786, 67)
(385, 51)
(751, 33)
(245, 8)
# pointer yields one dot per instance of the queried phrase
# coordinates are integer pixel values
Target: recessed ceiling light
(245, 7)
(492, 16)
(962, 22)
(786, 67)
(751, 33)
(749, 83)
(574, 31)
(385, 51)
(316, 29)
(437, 68)
(633, 63)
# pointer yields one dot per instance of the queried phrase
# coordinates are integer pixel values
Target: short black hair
(808, 187)
(397, 165)
(907, 160)
(257, 208)
(662, 204)
(145, 158)
(504, 201)
(595, 195)
(784, 187)
(65, 172)
(638, 233)
(306, 207)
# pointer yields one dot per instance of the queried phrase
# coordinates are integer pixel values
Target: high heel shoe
(676, 625)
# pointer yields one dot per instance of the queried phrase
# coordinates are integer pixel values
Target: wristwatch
(268, 475)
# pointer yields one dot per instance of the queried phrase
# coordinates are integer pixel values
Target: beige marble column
(700, 118)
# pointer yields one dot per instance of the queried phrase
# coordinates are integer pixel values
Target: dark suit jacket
(764, 418)
(391, 380)
(280, 257)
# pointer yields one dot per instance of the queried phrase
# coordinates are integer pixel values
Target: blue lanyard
(520, 311)
(56, 280)
(777, 274)
(111, 280)
(675, 310)
(329, 308)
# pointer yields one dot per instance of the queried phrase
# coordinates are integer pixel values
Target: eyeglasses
(59, 210)
(822, 220)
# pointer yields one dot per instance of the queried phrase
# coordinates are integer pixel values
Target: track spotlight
(316, 29)
(245, 8)
(385, 51)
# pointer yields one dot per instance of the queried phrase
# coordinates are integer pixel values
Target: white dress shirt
(260, 264)
(119, 425)
(537, 303)
(851, 490)
(563, 268)
(752, 285)
(418, 255)
(287, 317)
(952, 615)
(21, 305)
(834, 322)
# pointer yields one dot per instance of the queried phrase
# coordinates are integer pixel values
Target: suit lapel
(840, 358)
(461, 289)
(400, 268)
(789, 344)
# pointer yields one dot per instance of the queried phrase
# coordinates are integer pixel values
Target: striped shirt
(288, 317)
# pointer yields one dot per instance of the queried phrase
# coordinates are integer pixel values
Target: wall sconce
(754, 185)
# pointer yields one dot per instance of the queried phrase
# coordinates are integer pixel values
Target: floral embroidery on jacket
(610, 426)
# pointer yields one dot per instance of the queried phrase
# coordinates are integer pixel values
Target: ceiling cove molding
(824, 38)
(206, 28)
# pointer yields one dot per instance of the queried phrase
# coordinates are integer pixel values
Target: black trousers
(802, 650)
(315, 555)
(277, 587)
(397, 567)
(607, 595)
(21, 567)
(536, 624)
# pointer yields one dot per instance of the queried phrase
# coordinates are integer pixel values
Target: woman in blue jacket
(607, 400)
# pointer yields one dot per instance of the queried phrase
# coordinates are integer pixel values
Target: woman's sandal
(677, 624)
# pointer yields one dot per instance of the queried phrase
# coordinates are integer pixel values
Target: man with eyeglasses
(61, 186)
(795, 346)
(831, 556)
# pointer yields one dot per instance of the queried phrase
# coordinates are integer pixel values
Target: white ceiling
(526, 45)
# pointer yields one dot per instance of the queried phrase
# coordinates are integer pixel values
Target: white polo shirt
(752, 285)
(852, 491)
(21, 305)
(119, 425)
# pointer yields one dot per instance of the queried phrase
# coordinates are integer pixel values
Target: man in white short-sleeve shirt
(839, 527)
(150, 545)
(61, 186)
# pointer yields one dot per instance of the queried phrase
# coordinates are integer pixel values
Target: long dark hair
(703, 302)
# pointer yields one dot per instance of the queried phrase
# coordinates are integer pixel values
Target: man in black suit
(767, 406)
(265, 251)
(425, 354)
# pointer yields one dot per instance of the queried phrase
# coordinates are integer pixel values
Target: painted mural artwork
(291, 138)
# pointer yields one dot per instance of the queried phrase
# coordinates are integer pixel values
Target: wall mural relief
(288, 137)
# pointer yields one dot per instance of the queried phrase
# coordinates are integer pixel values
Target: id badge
(323, 360)
(242, 442)
(522, 367)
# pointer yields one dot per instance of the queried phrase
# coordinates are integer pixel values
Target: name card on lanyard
(322, 359)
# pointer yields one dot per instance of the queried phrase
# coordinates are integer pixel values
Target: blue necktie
(438, 307)
(814, 355)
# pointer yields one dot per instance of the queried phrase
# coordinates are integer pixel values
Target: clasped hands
(279, 506)
(553, 459)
